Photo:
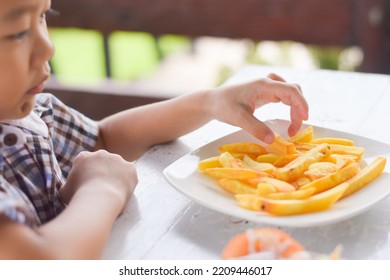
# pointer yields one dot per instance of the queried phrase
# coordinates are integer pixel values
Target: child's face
(25, 50)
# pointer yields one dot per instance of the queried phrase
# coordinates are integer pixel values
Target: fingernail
(269, 138)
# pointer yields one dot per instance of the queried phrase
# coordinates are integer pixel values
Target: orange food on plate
(262, 242)
(271, 244)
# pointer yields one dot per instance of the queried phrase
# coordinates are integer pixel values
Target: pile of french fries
(302, 174)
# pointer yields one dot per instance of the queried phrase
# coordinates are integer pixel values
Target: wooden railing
(362, 23)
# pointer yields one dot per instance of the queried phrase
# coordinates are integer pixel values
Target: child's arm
(132, 132)
(80, 232)
(96, 193)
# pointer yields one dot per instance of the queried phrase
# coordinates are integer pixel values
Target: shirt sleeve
(13, 206)
(71, 132)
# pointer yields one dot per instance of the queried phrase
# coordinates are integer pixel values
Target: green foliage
(326, 57)
(132, 54)
(170, 44)
(79, 56)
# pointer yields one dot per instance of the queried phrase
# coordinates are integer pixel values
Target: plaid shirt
(36, 156)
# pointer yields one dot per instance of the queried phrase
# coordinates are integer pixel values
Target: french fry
(283, 160)
(334, 179)
(279, 185)
(303, 180)
(209, 163)
(243, 148)
(305, 135)
(295, 168)
(339, 141)
(265, 189)
(336, 149)
(347, 150)
(225, 159)
(298, 194)
(367, 175)
(315, 203)
(259, 166)
(235, 186)
(234, 173)
(341, 160)
(238, 163)
(228, 160)
(267, 158)
(282, 146)
(320, 169)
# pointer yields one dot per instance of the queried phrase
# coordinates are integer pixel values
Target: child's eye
(19, 36)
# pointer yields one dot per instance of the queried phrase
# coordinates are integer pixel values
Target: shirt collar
(32, 123)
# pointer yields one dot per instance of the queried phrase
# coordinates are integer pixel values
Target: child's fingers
(257, 128)
(275, 77)
(293, 87)
(296, 120)
(291, 95)
(294, 126)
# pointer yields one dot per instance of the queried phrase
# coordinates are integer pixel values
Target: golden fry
(320, 169)
(283, 160)
(339, 141)
(367, 175)
(268, 158)
(303, 180)
(298, 194)
(259, 166)
(243, 148)
(211, 162)
(234, 173)
(295, 168)
(335, 148)
(282, 146)
(225, 159)
(341, 160)
(265, 189)
(334, 179)
(280, 207)
(305, 135)
(235, 186)
(279, 185)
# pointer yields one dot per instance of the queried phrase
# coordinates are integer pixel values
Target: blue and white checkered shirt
(36, 156)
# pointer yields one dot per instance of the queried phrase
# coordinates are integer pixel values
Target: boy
(65, 178)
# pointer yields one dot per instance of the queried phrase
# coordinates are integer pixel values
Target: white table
(161, 223)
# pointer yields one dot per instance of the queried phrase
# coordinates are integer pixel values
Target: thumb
(276, 77)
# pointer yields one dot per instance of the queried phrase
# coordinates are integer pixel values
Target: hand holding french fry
(236, 105)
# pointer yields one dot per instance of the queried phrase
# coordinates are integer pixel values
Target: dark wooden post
(372, 31)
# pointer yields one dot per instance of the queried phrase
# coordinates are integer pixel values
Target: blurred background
(157, 49)
(182, 62)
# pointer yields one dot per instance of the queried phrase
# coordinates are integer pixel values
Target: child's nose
(43, 49)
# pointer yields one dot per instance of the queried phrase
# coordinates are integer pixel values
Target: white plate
(184, 176)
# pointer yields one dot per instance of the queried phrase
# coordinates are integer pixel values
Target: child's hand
(236, 104)
(101, 174)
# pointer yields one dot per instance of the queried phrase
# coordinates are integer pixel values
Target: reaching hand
(236, 104)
